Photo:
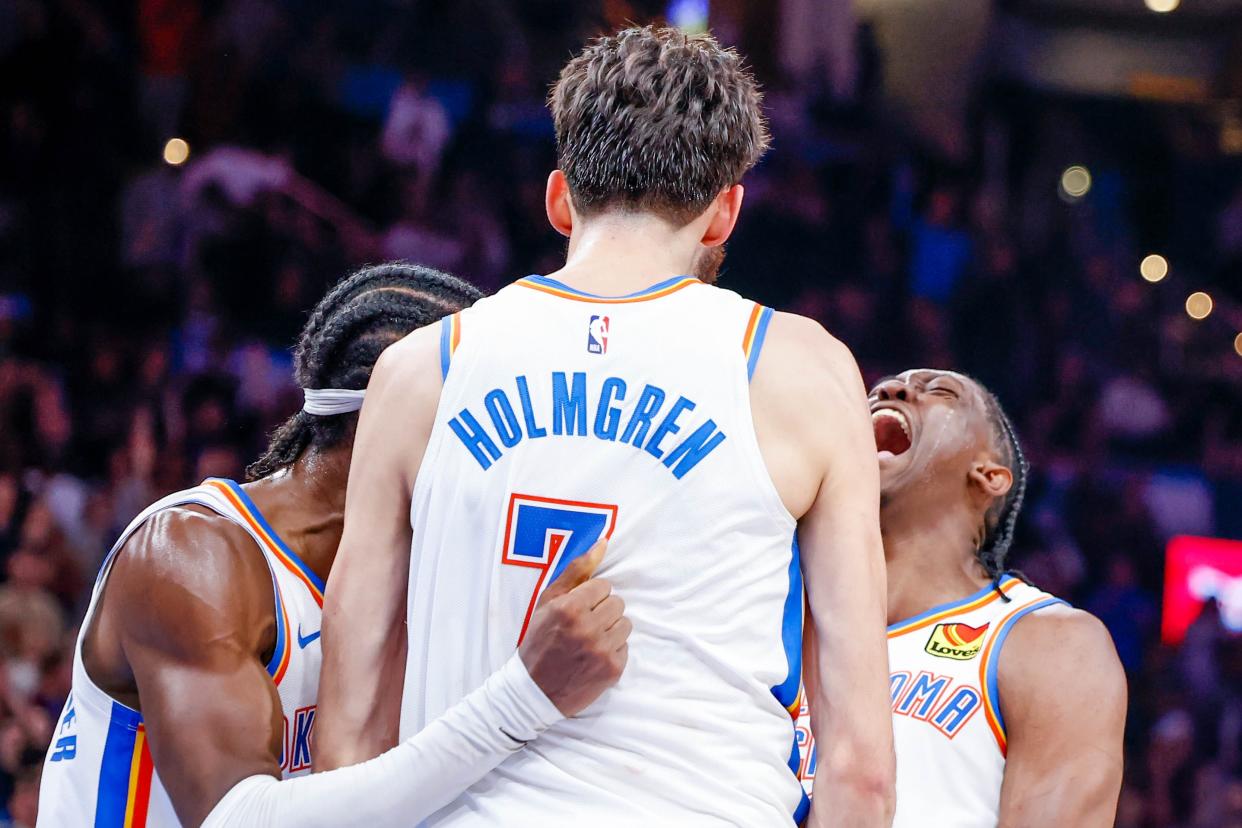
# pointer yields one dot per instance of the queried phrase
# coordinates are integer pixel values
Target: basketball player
(619, 398)
(1008, 705)
(198, 663)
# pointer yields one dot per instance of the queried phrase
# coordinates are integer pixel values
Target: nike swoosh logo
(303, 641)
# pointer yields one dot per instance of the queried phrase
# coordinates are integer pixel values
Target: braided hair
(1002, 517)
(344, 336)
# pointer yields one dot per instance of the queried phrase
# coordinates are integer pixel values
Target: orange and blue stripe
(124, 794)
(564, 291)
(450, 338)
(278, 664)
(789, 692)
(254, 518)
(971, 603)
(989, 661)
(752, 339)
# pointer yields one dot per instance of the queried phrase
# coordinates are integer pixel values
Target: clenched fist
(575, 647)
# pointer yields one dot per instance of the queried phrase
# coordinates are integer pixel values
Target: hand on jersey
(575, 647)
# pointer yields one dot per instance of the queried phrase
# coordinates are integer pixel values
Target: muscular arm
(189, 602)
(1063, 697)
(364, 635)
(808, 385)
(186, 609)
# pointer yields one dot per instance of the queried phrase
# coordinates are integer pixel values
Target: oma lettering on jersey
(655, 424)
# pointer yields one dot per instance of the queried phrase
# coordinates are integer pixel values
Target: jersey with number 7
(565, 417)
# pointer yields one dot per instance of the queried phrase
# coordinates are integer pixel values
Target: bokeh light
(1162, 6)
(1154, 267)
(176, 151)
(1237, 344)
(1075, 182)
(1198, 305)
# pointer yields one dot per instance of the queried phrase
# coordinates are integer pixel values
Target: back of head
(656, 120)
(345, 335)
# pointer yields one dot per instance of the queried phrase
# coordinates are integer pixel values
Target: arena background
(1029, 191)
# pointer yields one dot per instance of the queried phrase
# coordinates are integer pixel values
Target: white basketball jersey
(98, 769)
(948, 729)
(566, 416)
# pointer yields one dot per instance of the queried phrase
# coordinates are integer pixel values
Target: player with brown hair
(726, 446)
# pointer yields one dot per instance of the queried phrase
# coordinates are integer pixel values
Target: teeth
(894, 414)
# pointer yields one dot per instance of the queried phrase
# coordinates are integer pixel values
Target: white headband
(328, 401)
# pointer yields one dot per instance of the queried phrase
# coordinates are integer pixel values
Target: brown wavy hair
(656, 120)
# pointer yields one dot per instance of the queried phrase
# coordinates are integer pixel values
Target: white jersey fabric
(98, 769)
(565, 416)
(948, 729)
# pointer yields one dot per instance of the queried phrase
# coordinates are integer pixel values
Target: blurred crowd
(146, 307)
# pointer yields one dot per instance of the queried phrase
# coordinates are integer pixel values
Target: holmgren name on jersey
(650, 425)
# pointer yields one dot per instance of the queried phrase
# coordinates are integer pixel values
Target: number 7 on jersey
(546, 533)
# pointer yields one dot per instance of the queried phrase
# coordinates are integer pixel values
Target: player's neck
(618, 254)
(305, 504)
(930, 559)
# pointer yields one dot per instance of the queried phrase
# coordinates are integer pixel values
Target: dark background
(911, 203)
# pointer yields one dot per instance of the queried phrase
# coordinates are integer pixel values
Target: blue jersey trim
(804, 804)
(761, 330)
(982, 593)
(282, 635)
(791, 633)
(284, 547)
(553, 283)
(446, 353)
(1001, 635)
(112, 798)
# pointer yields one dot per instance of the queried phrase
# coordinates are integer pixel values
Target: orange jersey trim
(990, 704)
(141, 769)
(274, 547)
(923, 622)
(752, 325)
(645, 296)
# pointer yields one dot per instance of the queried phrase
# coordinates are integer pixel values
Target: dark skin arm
(187, 622)
(1063, 693)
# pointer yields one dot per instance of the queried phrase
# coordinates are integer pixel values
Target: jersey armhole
(279, 662)
(990, 664)
(752, 340)
(450, 338)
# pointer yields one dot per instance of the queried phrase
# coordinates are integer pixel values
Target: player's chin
(892, 467)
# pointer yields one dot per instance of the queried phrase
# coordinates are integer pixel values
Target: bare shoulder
(801, 358)
(1065, 652)
(411, 367)
(810, 413)
(794, 335)
(186, 575)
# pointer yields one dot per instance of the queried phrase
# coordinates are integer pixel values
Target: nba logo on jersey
(597, 335)
(957, 641)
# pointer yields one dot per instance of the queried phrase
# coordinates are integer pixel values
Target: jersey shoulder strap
(1024, 599)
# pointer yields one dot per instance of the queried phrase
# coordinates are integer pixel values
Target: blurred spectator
(146, 309)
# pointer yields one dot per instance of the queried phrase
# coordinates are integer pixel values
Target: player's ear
(556, 203)
(726, 208)
(990, 478)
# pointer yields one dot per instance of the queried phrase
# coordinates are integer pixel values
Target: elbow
(867, 777)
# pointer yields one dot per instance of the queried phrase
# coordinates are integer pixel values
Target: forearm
(364, 649)
(412, 780)
(853, 777)
(1080, 794)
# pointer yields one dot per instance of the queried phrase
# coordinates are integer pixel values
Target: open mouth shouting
(892, 432)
